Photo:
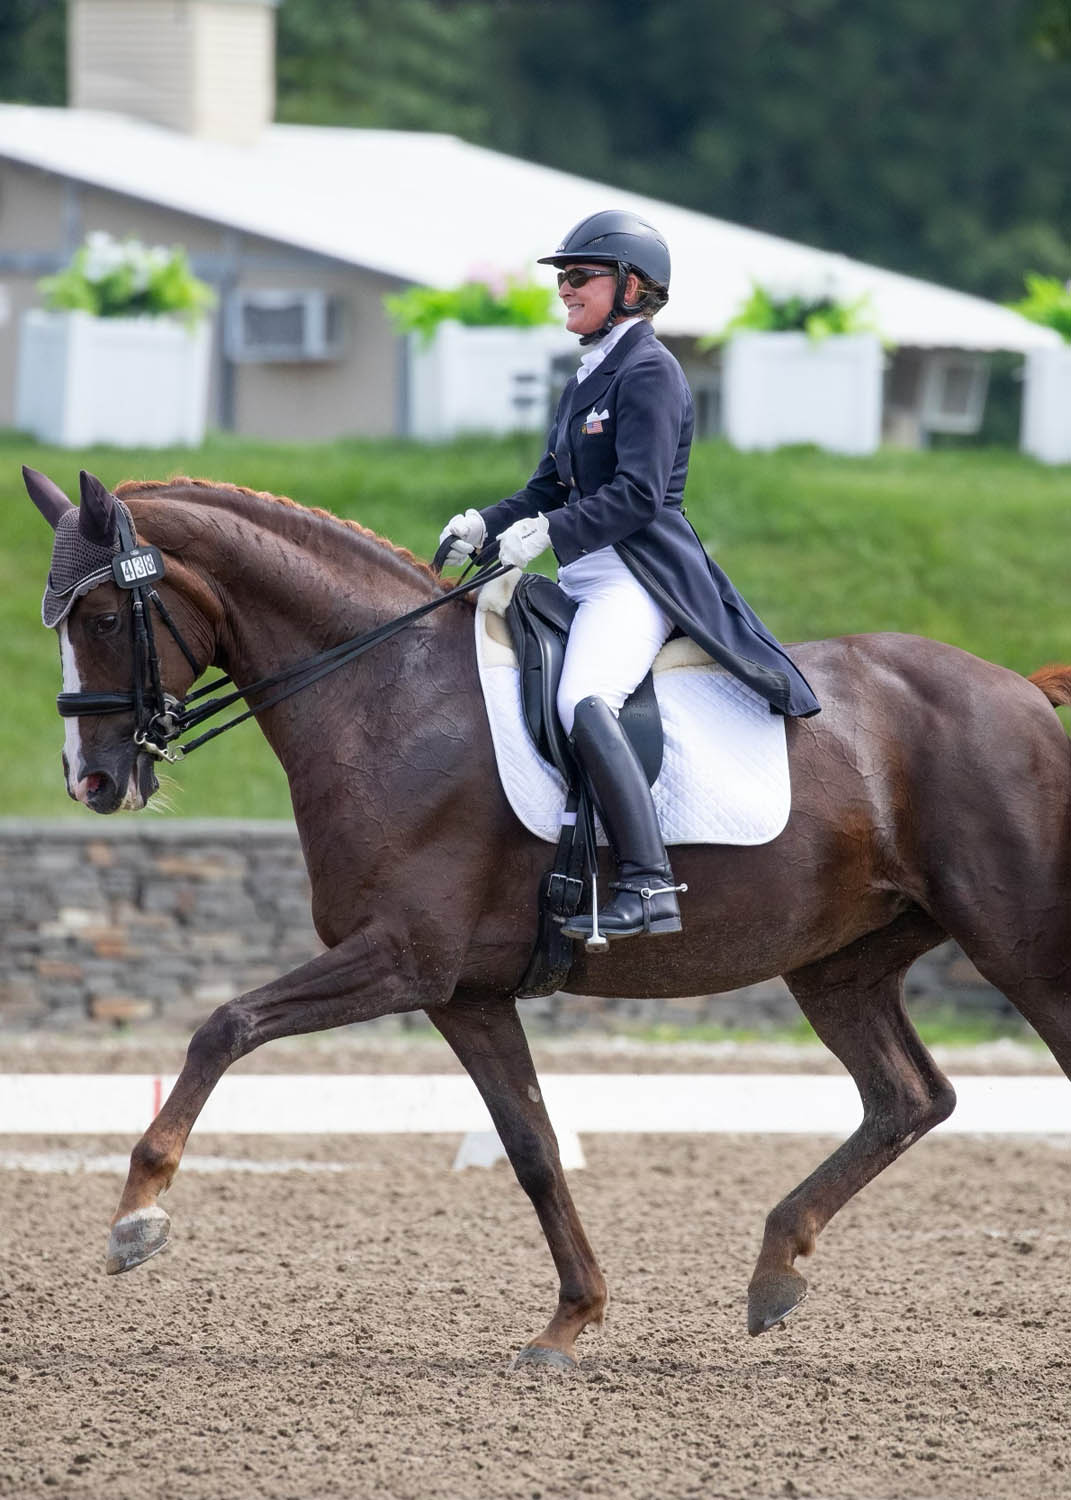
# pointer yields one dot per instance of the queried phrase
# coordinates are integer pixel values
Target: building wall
(43, 219)
(361, 393)
(702, 369)
(32, 231)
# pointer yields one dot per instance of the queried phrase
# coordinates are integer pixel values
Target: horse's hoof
(137, 1237)
(770, 1300)
(538, 1354)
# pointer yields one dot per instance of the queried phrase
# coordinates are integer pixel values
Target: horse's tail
(1055, 682)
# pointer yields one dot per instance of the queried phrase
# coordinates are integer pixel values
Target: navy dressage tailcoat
(613, 476)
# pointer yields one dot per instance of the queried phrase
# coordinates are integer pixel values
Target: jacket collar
(588, 391)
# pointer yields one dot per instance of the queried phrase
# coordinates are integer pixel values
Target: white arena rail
(579, 1103)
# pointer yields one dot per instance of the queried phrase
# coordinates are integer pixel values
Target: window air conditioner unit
(954, 386)
(267, 327)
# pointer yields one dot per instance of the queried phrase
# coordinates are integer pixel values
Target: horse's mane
(139, 486)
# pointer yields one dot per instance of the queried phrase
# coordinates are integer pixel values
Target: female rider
(607, 497)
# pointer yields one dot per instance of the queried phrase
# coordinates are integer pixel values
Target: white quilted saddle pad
(724, 777)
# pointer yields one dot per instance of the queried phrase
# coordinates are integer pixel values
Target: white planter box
(131, 382)
(783, 388)
(493, 380)
(1045, 431)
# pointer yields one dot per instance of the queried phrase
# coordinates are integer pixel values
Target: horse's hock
(119, 921)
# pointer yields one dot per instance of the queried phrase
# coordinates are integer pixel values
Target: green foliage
(33, 51)
(1048, 301)
(478, 304)
(939, 1026)
(818, 315)
(109, 278)
(952, 545)
(395, 64)
(1052, 28)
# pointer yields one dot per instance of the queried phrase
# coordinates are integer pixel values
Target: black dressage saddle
(539, 616)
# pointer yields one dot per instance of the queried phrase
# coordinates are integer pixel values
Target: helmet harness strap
(619, 310)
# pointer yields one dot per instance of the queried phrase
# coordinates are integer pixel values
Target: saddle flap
(548, 600)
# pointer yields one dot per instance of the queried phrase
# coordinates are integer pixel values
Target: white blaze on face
(72, 739)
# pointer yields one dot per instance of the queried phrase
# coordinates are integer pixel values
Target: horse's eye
(102, 625)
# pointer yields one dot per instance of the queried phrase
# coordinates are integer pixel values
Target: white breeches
(617, 632)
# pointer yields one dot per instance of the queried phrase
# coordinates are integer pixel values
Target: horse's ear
(46, 495)
(96, 514)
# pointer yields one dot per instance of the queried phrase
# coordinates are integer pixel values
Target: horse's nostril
(101, 792)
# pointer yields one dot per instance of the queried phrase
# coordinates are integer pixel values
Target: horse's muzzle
(106, 789)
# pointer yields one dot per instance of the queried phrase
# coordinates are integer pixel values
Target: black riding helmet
(618, 238)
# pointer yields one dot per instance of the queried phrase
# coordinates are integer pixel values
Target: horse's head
(105, 766)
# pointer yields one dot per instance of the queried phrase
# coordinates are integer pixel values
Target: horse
(931, 798)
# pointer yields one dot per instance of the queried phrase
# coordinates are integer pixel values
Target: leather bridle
(160, 718)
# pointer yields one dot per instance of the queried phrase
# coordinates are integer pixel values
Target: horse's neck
(289, 582)
(379, 752)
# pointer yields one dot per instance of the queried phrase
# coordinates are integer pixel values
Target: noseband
(159, 717)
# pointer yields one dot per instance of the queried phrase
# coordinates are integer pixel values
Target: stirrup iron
(596, 943)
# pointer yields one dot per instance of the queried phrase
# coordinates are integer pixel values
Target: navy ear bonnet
(78, 565)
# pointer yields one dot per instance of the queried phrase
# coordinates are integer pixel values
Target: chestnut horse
(931, 798)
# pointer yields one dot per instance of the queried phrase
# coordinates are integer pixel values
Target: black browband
(160, 718)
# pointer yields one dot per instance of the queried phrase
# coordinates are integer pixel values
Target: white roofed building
(268, 212)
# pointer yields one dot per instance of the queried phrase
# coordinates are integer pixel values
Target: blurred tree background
(929, 138)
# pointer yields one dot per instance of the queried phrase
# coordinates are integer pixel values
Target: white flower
(812, 284)
(143, 261)
(104, 256)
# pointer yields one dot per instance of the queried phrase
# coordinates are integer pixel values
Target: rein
(160, 718)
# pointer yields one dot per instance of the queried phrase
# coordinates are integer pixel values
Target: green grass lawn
(940, 1026)
(966, 546)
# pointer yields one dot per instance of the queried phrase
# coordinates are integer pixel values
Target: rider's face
(588, 307)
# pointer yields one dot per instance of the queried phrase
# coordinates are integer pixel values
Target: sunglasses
(578, 276)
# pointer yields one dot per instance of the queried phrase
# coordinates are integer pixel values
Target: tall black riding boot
(645, 897)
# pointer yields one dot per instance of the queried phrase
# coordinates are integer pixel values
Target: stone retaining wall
(114, 921)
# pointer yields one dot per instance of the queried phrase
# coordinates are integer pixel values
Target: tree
(929, 138)
(397, 64)
(33, 51)
(1052, 28)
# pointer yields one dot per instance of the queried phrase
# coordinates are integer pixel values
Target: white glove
(468, 531)
(523, 541)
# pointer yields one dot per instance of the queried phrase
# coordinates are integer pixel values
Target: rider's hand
(523, 541)
(468, 531)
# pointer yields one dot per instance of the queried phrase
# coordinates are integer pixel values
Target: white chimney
(205, 67)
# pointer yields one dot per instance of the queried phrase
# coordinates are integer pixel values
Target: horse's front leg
(363, 977)
(489, 1040)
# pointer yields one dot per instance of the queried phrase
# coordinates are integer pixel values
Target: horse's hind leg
(355, 981)
(854, 1001)
(489, 1040)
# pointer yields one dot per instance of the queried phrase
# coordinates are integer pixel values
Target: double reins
(160, 718)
